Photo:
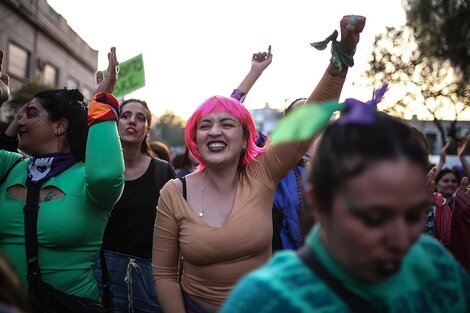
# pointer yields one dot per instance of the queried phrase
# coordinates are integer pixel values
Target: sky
(195, 49)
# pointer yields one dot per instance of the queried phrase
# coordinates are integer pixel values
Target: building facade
(266, 118)
(41, 47)
(431, 132)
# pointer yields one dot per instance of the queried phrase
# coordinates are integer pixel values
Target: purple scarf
(358, 112)
(42, 167)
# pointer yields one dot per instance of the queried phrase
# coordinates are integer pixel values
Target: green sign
(131, 76)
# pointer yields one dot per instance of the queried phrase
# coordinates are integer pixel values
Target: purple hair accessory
(358, 112)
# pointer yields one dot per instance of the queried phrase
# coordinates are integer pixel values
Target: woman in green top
(80, 173)
(370, 198)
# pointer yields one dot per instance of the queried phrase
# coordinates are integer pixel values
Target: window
(72, 83)
(50, 75)
(18, 61)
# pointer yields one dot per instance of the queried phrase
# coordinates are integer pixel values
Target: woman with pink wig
(217, 222)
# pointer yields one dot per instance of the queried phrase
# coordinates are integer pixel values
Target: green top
(430, 280)
(70, 228)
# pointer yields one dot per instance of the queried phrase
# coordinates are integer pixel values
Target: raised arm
(259, 62)
(4, 83)
(442, 158)
(104, 165)
(461, 153)
(8, 137)
(329, 88)
(332, 82)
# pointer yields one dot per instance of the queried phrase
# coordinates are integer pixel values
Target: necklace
(201, 212)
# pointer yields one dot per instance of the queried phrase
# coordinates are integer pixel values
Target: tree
(170, 129)
(434, 84)
(430, 57)
(21, 96)
(26, 93)
(442, 28)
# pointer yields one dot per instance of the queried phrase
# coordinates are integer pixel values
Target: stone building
(41, 47)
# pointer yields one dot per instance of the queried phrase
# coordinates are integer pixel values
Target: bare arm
(442, 158)
(259, 62)
(463, 159)
(4, 83)
(9, 138)
(329, 87)
(332, 82)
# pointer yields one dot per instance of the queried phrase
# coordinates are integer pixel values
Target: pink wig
(217, 104)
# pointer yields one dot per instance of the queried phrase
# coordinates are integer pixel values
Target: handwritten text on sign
(131, 76)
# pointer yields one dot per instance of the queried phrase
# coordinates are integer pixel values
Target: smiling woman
(55, 204)
(219, 219)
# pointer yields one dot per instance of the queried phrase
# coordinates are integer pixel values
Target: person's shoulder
(157, 162)
(170, 186)
(430, 246)
(284, 284)
(430, 256)
(258, 290)
(275, 270)
(163, 168)
(4, 155)
(441, 269)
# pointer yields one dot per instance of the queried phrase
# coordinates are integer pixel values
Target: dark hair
(11, 288)
(345, 151)
(421, 138)
(145, 145)
(182, 160)
(445, 171)
(161, 150)
(68, 104)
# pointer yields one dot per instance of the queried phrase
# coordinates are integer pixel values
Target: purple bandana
(357, 112)
(43, 167)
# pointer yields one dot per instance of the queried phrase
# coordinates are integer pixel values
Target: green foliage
(19, 97)
(170, 129)
(442, 28)
(25, 94)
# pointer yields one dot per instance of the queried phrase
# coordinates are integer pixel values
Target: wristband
(338, 57)
(103, 107)
(239, 95)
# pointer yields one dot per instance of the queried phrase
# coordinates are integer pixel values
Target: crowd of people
(323, 215)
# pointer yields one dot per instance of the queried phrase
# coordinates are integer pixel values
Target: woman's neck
(132, 155)
(220, 180)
